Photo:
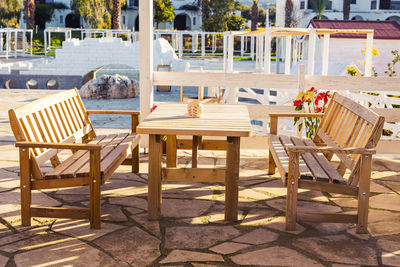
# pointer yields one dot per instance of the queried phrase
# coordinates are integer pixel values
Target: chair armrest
(317, 149)
(289, 115)
(91, 147)
(117, 112)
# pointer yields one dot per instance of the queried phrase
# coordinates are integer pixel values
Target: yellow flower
(375, 52)
(300, 96)
(309, 95)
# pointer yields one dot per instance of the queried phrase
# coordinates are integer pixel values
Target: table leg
(171, 151)
(195, 145)
(232, 178)
(154, 180)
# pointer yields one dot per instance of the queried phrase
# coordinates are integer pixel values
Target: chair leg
(25, 176)
(291, 197)
(95, 194)
(135, 159)
(271, 164)
(363, 193)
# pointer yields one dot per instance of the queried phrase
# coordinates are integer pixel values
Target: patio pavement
(192, 231)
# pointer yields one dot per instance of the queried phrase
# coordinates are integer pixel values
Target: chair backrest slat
(56, 118)
(348, 124)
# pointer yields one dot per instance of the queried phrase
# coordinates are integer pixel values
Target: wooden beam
(200, 175)
(327, 217)
(73, 213)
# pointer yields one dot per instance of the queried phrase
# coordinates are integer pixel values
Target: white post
(311, 52)
(45, 41)
(267, 53)
(1, 41)
(278, 55)
(368, 55)
(242, 45)
(288, 53)
(15, 43)
(214, 46)
(24, 42)
(252, 47)
(230, 52)
(257, 52)
(295, 51)
(7, 43)
(203, 45)
(180, 46)
(146, 57)
(224, 50)
(325, 54)
(173, 41)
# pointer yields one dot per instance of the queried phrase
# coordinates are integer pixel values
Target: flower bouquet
(311, 101)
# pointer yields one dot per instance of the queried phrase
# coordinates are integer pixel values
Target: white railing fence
(278, 92)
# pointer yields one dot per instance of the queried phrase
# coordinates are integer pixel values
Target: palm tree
(346, 9)
(319, 7)
(254, 15)
(288, 13)
(30, 13)
(116, 14)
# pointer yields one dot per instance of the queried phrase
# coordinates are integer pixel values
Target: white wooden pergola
(6, 36)
(261, 42)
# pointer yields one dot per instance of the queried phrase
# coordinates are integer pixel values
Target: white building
(360, 10)
(187, 16)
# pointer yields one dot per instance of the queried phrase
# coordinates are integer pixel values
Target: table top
(217, 120)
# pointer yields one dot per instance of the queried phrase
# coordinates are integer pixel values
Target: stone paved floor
(192, 231)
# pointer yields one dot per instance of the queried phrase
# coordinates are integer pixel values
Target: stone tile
(304, 206)
(204, 265)
(131, 245)
(257, 237)
(274, 256)
(187, 256)
(338, 249)
(345, 265)
(352, 231)
(69, 253)
(38, 198)
(135, 202)
(112, 213)
(279, 224)
(345, 202)
(188, 191)
(330, 228)
(394, 185)
(385, 201)
(3, 260)
(197, 237)
(133, 210)
(152, 226)
(377, 188)
(382, 228)
(252, 194)
(81, 229)
(258, 217)
(390, 251)
(229, 248)
(179, 208)
(43, 239)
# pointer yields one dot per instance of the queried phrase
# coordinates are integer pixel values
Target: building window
(123, 20)
(61, 19)
(302, 5)
(328, 5)
(384, 4)
(353, 2)
(194, 21)
(373, 4)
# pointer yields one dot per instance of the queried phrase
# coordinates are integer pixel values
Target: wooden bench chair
(348, 130)
(57, 122)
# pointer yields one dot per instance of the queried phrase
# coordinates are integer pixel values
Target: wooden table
(230, 121)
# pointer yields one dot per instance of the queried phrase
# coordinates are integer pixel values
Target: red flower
(312, 89)
(318, 109)
(154, 107)
(297, 103)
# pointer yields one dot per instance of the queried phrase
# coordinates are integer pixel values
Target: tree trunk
(116, 16)
(346, 9)
(30, 13)
(254, 15)
(288, 13)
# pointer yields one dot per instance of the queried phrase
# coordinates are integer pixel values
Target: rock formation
(109, 86)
